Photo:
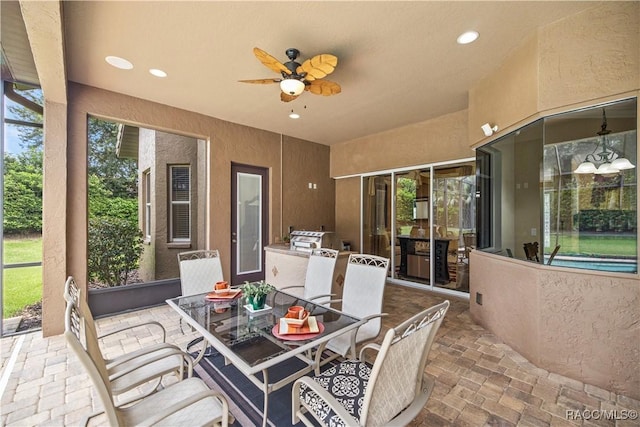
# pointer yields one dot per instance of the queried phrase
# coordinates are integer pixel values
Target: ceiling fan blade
(318, 66)
(285, 97)
(261, 81)
(323, 87)
(270, 62)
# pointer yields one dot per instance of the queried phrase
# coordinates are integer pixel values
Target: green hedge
(606, 220)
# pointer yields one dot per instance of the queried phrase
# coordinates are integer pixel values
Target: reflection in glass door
(413, 240)
(376, 221)
(453, 224)
(249, 223)
(424, 221)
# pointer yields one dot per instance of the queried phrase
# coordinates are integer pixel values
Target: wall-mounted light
(610, 161)
(291, 86)
(488, 129)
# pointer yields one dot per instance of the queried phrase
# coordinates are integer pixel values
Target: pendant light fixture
(609, 161)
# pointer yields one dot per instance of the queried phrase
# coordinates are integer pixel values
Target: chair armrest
(125, 328)
(373, 316)
(137, 353)
(291, 287)
(370, 346)
(321, 296)
(355, 331)
(130, 367)
(161, 413)
(324, 395)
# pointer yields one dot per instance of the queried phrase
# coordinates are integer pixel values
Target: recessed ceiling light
(468, 37)
(118, 62)
(158, 73)
(294, 115)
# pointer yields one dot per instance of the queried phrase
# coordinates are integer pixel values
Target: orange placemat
(233, 293)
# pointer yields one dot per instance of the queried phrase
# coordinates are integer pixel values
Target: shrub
(102, 203)
(115, 246)
(23, 198)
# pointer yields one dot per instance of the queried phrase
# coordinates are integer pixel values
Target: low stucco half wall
(581, 324)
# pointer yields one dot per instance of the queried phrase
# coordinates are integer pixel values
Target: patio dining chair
(392, 391)
(199, 271)
(362, 295)
(188, 402)
(319, 277)
(553, 254)
(531, 251)
(144, 366)
(469, 240)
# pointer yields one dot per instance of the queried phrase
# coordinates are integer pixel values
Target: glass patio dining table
(250, 340)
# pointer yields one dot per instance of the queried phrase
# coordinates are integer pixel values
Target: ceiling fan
(296, 77)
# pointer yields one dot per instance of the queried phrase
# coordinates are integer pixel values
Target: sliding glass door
(423, 220)
(376, 219)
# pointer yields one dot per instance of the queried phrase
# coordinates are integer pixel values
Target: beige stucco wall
(157, 151)
(506, 96)
(581, 324)
(579, 60)
(348, 211)
(307, 208)
(146, 162)
(541, 311)
(598, 45)
(440, 139)
(172, 149)
(229, 143)
(54, 217)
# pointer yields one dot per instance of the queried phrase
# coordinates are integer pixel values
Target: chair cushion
(347, 382)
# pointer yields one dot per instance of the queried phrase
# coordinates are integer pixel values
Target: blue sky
(11, 141)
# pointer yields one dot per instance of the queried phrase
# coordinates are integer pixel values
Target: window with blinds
(180, 203)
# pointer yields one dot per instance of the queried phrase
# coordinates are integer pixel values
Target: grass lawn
(21, 286)
(605, 246)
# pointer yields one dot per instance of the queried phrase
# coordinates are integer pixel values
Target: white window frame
(173, 203)
(146, 182)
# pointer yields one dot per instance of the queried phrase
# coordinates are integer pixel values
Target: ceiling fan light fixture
(291, 86)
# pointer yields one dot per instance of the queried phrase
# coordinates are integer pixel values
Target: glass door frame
(393, 235)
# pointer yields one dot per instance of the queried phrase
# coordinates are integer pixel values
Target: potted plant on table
(256, 293)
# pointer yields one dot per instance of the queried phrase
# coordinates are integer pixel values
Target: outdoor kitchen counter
(287, 267)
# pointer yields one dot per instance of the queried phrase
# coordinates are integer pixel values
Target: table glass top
(249, 335)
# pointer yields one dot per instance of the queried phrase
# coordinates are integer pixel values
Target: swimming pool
(617, 266)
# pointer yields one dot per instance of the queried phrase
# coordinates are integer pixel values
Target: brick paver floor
(479, 380)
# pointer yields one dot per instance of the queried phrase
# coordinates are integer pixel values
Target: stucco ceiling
(398, 61)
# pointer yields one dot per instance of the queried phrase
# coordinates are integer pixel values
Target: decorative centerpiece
(256, 293)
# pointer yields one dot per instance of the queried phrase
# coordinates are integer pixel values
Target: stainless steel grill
(309, 240)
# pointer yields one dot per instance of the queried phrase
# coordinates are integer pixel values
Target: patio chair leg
(206, 351)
